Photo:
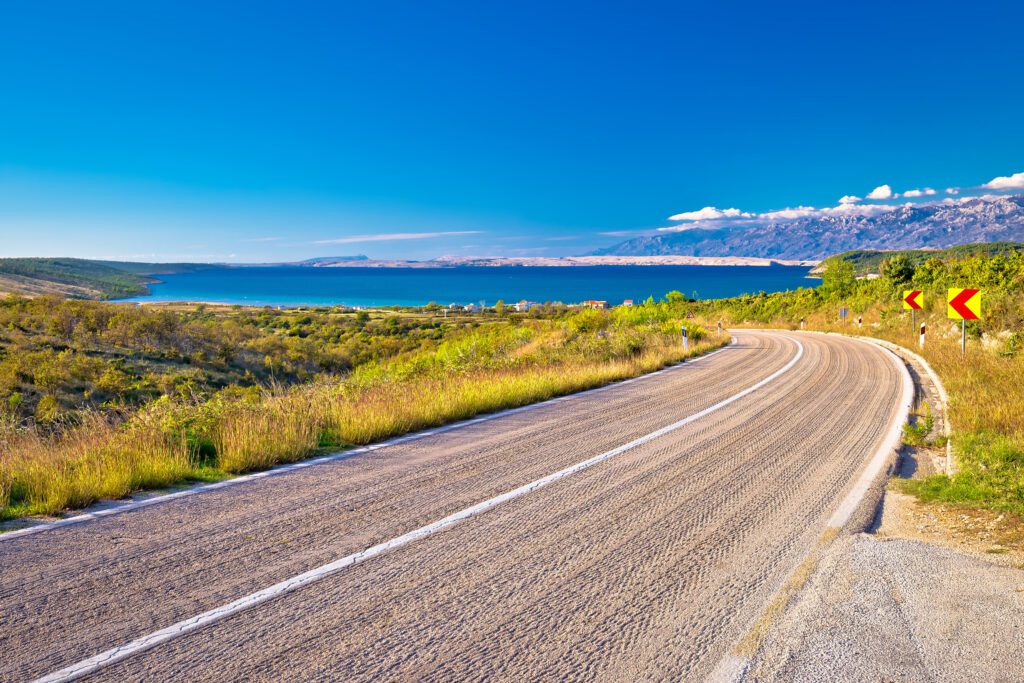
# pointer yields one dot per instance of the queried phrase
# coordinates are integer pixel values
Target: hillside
(70, 277)
(869, 261)
(814, 237)
(84, 279)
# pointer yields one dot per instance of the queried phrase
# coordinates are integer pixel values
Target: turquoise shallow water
(295, 286)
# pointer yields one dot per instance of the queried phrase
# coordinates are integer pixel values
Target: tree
(499, 307)
(898, 268)
(838, 280)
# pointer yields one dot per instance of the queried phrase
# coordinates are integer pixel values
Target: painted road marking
(341, 455)
(117, 654)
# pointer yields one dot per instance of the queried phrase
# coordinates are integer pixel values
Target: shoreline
(531, 268)
(554, 262)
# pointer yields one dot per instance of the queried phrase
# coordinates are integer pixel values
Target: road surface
(704, 486)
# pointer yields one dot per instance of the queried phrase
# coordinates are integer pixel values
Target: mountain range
(816, 236)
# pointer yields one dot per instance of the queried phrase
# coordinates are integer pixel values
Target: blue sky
(277, 131)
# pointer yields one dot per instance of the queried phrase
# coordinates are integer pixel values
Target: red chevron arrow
(912, 301)
(959, 304)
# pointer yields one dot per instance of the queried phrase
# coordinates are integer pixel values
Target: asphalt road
(648, 564)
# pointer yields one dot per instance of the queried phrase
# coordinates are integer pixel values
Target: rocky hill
(816, 236)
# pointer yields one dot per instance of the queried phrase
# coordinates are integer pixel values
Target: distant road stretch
(631, 533)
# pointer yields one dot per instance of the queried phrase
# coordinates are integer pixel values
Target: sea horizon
(374, 286)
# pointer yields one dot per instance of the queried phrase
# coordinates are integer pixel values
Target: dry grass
(45, 475)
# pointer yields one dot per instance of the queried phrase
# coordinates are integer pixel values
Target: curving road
(703, 487)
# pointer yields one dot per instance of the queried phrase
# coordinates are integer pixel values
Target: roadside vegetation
(986, 388)
(100, 400)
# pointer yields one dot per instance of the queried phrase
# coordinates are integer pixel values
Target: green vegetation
(98, 400)
(867, 261)
(986, 392)
(84, 279)
(71, 277)
(140, 268)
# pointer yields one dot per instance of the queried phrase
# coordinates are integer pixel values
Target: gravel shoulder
(899, 610)
(932, 593)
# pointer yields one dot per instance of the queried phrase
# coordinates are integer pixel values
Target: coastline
(556, 262)
(366, 284)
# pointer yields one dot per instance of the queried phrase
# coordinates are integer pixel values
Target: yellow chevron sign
(913, 300)
(963, 304)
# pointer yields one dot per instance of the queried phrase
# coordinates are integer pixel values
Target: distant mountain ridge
(940, 225)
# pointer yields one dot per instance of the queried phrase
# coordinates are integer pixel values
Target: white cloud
(849, 199)
(1013, 182)
(857, 210)
(709, 213)
(881, 192)
(952, 190)
(919, 193)
(392, 236)
(789, 213)
(843, 209)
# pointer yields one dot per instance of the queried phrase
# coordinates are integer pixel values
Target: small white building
(525, 305)
(627, 302)
(471, 308)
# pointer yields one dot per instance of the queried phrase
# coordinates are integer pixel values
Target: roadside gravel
(899, 610)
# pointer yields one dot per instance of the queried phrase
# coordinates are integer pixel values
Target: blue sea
(306, 286)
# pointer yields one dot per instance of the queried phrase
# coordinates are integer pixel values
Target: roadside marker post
(686, 342)
(719, 328)
(860, 321)
(963, 304)
(801, 323)
(920, 342)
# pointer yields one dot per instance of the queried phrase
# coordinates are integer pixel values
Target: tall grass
(986, 411)
(41, 474)
(47, 474)
(279, 429)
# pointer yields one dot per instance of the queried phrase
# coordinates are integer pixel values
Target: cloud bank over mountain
(806, 232)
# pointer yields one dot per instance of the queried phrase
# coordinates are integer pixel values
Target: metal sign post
(963, 304)
(843, 312)
(913, 301)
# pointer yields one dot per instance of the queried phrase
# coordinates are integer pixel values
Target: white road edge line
(117, 654)
(733, 667)
(340, 455)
